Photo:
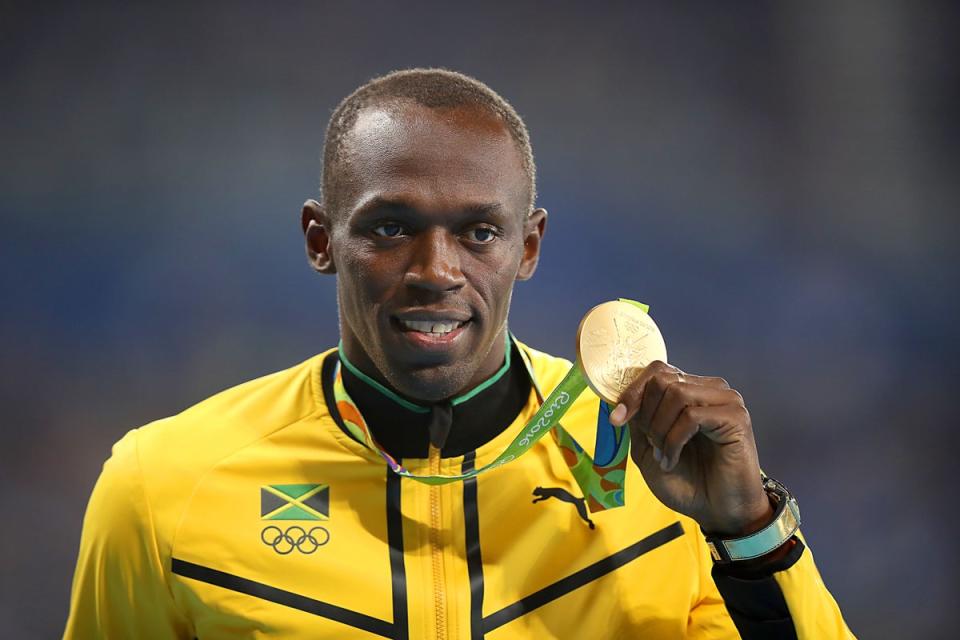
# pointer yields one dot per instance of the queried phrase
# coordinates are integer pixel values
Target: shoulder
(235, 417)
(548, 370)
(580, 419)
(170, 456)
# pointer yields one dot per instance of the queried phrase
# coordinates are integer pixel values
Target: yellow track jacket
(254, 515)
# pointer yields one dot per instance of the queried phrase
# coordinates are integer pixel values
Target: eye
(388, 230)
(482, 235)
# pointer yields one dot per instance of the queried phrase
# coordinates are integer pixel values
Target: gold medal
(615, 342)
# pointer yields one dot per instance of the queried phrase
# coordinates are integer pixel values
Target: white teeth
(426, 326)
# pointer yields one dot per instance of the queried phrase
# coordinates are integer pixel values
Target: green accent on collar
(417, 408)
(403, 402)
(492, 379)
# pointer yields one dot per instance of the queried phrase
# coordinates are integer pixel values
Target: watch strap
(786, 522)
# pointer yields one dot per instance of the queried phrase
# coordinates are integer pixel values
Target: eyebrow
(401, 206)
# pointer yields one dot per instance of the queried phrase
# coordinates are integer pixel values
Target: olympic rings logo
(295, 537)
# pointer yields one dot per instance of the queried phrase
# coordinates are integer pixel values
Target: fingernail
(664, 464)
(618, 414)
(657, 454)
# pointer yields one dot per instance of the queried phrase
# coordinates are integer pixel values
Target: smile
(435, 328)
(432, 331)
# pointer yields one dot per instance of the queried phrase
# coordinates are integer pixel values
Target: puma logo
(542, 493)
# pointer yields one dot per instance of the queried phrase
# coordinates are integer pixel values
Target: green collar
(417, 408)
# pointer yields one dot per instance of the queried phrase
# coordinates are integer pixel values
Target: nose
(435, 262)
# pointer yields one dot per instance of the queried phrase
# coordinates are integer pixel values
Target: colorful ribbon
(601, 479)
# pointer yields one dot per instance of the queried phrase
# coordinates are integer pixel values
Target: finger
(705, 381)
(675, 399)
(633, 397)
(662, 374)
(641, 450)
(723, 424)
(629, 400)
(681, 431)
(653, 394)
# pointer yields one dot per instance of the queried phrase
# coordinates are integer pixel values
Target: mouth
(432, 330)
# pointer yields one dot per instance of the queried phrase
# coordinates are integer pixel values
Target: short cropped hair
(432, 88)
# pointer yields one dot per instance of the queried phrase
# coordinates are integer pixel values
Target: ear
(534, 228)
(316, 232)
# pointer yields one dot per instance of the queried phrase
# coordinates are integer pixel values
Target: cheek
(364, 273)
(495, 279)
(365, 282)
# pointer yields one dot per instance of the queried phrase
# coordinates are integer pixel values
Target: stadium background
(778, 180)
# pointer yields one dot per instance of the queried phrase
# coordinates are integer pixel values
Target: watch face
(779, 492)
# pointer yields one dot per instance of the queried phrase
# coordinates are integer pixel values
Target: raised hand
(692, 438)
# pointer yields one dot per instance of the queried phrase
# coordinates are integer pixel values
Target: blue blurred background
(778, 180)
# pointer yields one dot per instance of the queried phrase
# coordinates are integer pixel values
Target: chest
(279, 545)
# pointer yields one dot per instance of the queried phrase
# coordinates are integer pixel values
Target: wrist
(766, 542)
(756, 519)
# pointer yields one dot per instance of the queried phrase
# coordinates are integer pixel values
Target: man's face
(432, 232)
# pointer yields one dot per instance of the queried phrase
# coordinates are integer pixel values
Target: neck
(405, 428)
(421, 383)
(419, 407)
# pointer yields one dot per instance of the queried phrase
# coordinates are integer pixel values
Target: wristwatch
(786, 521)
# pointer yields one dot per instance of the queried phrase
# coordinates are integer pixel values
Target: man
(268, 510)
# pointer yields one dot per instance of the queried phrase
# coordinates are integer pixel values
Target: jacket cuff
(754, 599)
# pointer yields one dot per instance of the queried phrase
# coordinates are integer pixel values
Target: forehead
(439, 158)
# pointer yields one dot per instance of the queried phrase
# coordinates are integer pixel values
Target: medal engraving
(615, 342)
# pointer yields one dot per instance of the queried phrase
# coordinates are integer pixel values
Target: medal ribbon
(600, 478)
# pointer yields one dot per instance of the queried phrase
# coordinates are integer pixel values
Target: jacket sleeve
(786, 599)
(119, 587)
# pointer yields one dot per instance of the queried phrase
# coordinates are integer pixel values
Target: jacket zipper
(436, 548)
